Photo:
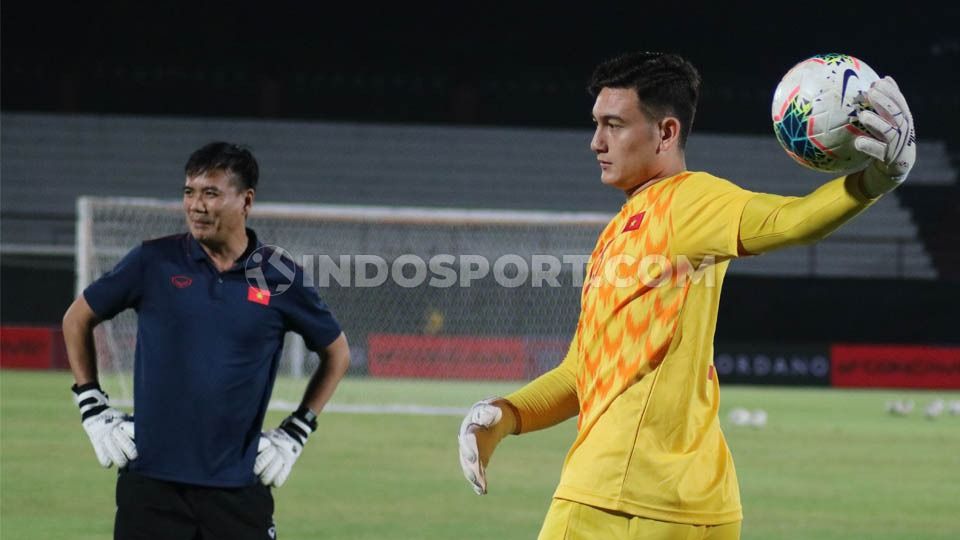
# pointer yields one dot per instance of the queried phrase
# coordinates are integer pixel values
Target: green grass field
(830, 465)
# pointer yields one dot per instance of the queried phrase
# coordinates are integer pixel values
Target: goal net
(425, 296)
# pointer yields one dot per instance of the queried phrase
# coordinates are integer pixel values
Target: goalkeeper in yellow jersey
(649, 460)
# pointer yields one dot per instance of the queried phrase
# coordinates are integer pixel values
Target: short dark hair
(235, 159)
(666, 84)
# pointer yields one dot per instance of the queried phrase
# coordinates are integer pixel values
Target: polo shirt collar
(198, 254)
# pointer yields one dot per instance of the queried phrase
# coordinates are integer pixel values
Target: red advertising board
(895, 366)
(446, 357)
(26, 347)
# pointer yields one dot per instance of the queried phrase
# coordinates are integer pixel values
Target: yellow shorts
(568, 520)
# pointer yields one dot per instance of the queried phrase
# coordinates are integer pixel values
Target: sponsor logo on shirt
(181, 282)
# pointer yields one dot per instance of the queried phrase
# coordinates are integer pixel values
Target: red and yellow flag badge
(260, 296)
(634, 222)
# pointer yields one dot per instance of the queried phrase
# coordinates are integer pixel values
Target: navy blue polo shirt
(208, 346)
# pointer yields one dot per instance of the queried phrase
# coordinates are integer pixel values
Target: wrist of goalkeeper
(509, 423)
(874, 182)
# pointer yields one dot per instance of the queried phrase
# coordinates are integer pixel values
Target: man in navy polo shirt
(213, 306)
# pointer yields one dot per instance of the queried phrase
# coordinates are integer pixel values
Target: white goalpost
(422, 294)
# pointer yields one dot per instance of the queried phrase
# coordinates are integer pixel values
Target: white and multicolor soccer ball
(815, 112)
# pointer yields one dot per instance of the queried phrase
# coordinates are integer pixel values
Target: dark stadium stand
(52, 159)
(936, 210)
(107, 99)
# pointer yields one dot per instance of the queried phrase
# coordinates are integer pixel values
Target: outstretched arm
(771, 222)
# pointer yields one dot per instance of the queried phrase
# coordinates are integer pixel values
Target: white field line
(388, 408)
(344, 408)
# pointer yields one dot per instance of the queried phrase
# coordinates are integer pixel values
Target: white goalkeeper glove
(485, 425)
(893, 145)
(111, 431)
(279, 448)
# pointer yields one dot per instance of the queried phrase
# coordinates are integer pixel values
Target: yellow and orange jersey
(648, 440)
(639, 373)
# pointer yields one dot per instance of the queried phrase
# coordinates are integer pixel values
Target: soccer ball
(758, 418)
(739, 416)
(815, 112)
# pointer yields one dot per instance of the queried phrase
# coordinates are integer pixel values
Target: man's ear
(669, 133)
(248, 197)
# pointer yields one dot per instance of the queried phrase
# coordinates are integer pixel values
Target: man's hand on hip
(111, 431)
(279, 448)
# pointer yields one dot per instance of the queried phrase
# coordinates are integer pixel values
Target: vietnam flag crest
(634, 222)
(259, 296)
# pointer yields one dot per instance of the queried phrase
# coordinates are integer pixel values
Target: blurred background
(478, 107)
(470, 107)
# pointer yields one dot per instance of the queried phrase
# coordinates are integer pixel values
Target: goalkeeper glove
(893, 145)
(279, 448)
(110, 430)
(485, 425)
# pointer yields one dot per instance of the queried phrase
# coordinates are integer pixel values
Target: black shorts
(150, 509)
